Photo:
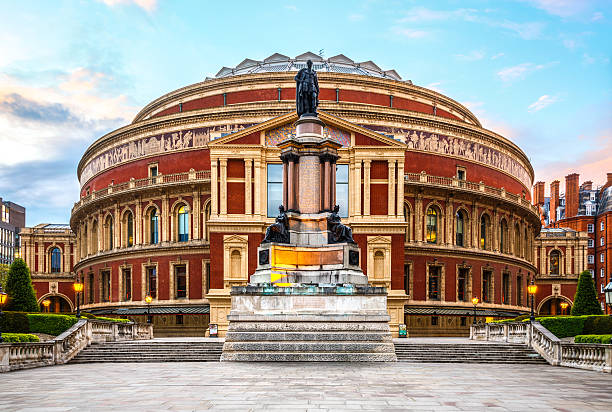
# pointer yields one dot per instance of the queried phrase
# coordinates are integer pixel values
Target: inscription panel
(309, 184)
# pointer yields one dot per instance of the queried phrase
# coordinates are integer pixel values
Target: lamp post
(532, 289)
(608, 293)
(3, 297)
(474, 302)
(564, 306)
(78, 288)
(148, 299)
(46, 304)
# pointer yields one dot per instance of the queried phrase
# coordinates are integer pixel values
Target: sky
(535, 71)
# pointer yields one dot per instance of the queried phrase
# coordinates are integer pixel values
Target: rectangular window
(601, 258)
(487, 286)
(342, 189)
(207, 277)
(601, 226)
(152, 170)
(180, 281)
(179, 319)
(592, 273)
(601, 241)
(591, 242)
(463, 321)
(506, 289)
(126, 275)
(105, 284)
(90, 291)
(434, 282)
(275, 188)
(519, 290)
(602, 274)
(407, 278)
(462, 284)
(590, 228)
(591, 259)
(152, 282)
(434, 321)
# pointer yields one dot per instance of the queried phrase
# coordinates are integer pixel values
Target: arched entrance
(58, 304)
(552, 306)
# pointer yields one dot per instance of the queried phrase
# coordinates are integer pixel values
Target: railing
(14, 356)
(472, 186)
(190, 176)
(574, 355)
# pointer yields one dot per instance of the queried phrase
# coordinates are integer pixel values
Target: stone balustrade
(574, 355)
(14, 356)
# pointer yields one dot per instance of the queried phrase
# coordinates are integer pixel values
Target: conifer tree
(21, 295)
(585, 300)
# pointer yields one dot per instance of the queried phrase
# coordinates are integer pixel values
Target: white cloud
(597, 16)
(521, 70)
(422, 14)
(356, 17)
(587, 59)
(410, 33)
(148, 5)
(561, 8)
(497, 56)
(291, 7)
(542, 102)
(435, 87)
(569, 44)
(471, 56)
(526, 31)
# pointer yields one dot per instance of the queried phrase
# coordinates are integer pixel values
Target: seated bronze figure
(338, 233)
(278, 232)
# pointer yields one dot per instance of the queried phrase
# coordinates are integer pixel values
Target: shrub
(21, 295)
(19, 337)
(585, 300)
(605, 339)
(15, 322)
(50, 324)
(564, 326)
(113, 319)
(598, 325)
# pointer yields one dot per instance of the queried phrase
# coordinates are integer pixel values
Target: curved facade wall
(439, 206)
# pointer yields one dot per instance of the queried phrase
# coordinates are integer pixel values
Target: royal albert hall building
(175, 204)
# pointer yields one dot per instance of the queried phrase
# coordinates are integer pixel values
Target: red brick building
(175, 204)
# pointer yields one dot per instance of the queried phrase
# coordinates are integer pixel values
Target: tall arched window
(130, 230)
(109, 233)
(206, 220)
(503, 236)
(407, 220)
(183, 224)
(432, 225)
(460, 228)
(154, 226)
(485, 221)
(56, 260)
(555, 259)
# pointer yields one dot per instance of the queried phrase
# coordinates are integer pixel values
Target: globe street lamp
(474, 302)
(148, 299)
(46, 304)
(564, 306)
(532, 289)
(78, 288)
(3, 297)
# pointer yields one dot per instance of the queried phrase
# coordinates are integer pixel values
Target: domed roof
(281, 63)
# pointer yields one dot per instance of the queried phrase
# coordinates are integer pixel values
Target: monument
(308, 299)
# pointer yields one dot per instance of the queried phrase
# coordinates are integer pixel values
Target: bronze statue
(307, 91)
(338, 233)
(278, 232)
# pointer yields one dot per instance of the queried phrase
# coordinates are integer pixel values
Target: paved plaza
(306, 386)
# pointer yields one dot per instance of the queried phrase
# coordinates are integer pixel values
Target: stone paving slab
(305, 387)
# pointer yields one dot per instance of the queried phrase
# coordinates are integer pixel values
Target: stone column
(197, 213)
(475, 226)
(366, 188)
(223, 186)
(165, 218)
(399, 210)
(495, 226)
(248, 183)
(138, 235)
(258, 182)
(66, 260)
(326, 184)
(357, 189)
(391, 188)
(286, 184)
(214, 195)
(289, 179)
(332, 185)
(418, 218)
(450, 222)
(41, 257)
(116, 227)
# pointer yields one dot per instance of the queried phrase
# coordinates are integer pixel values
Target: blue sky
(535, 71)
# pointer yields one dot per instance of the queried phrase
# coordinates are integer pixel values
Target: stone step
(307, 327)
(301, 346)
(512, 362)
(307, 336)
(137, 360)
(308, 357)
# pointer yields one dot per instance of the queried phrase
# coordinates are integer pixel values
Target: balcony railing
(452, 182)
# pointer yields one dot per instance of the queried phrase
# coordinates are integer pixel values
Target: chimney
(554, 200)
(588, 185)
(571, 195)
(538, 193)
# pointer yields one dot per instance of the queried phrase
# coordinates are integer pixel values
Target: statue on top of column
(338, 233)
(307, 91)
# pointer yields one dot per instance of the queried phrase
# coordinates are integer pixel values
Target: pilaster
(223, 186)
(165, 217)
(257, 186)
(399, 210)
(357, 189)
(214, 184)
(366, 188)
(248, 184)
(391, 188)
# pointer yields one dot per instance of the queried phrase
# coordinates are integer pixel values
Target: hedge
(605, 339)
(19, 337)
(49, 323)
(568, 326)
(16, 322)
(598, 325)
(113, 319)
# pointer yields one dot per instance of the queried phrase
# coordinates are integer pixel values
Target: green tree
(4, 269)
(585, 300)
(21, 295)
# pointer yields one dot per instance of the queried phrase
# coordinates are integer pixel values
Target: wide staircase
(466, 353)
(151, 351)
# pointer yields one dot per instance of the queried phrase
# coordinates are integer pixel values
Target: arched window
(154, 226)
(130, 229)
(432, 225)
(407, 220)
(503, 236)
(460, 228)
(555, 259)
(56, 260)
(183, 224)
(235, 263)
(206, 220)
(109, 233)
(379, 265)
(485, 221)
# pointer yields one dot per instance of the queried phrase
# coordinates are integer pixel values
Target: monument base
(309, 323)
